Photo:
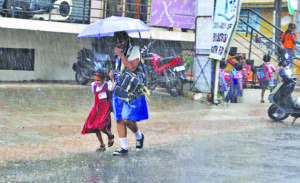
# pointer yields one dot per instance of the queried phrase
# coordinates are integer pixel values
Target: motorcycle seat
(165, 60)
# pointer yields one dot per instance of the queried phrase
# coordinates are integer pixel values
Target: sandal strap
(102, 145)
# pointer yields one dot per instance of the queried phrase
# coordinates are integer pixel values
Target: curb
(193, 95)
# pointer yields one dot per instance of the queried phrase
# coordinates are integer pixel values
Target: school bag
(130, 84)
(262, 73)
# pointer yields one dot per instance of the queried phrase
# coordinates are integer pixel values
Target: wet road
(185, 140)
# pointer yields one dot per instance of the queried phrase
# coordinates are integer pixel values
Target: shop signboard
(173, 13)
(292, 6)
(225, 19)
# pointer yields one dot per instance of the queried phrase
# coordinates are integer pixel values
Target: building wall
(56, 46)
(54, 54)
(267, 13)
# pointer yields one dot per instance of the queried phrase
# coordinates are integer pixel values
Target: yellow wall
(260, 1)
(267, 13)
(286, 18)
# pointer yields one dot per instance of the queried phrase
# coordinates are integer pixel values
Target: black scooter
(283, 104)
(89, 62)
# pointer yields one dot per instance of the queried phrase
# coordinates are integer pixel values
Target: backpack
(262, 73)
(129, 86)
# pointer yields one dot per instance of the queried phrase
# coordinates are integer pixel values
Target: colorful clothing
(137, 110)
(227, 78)
(222, 85)
(270, 82)
(289, 46)
(99, 118)
(288, 41)
(246, 72)
(234, 90)
(236, 77)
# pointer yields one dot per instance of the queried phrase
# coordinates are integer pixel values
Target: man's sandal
(109, 144)
(101, 149)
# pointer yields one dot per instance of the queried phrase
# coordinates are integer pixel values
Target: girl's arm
(239, 79)
(273, 68)
(132, 65)
(93, 85)
(293, 37)
(110, 84)
(240, 84)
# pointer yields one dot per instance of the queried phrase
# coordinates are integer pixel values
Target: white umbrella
(110, 25)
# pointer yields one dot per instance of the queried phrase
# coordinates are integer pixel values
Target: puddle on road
(41, 142)
(263, 155)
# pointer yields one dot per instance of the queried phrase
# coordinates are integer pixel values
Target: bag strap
(283, 40)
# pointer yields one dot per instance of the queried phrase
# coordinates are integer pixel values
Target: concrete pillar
(297, 22)
(277, 16)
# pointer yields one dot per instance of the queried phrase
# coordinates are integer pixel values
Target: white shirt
(102, 95)
(133, 53)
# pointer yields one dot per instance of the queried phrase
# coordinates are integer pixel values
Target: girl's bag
(262, 73)
(130, 85)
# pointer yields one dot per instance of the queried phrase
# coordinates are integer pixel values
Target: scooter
(89, 62)
(283, 105)
(165, 72)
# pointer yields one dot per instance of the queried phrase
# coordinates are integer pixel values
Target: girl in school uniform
(99, 119)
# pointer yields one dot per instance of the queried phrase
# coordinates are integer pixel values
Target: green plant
(187, 59)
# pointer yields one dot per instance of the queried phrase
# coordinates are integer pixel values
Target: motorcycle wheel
(80, 79)
(150, 79)
(174, 84)
(276, 114)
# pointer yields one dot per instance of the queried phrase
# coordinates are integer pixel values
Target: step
(237, 41)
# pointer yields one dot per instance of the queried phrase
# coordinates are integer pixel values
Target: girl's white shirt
(102, 95)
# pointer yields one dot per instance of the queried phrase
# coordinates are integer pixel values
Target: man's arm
(132, 65)
(293, 36)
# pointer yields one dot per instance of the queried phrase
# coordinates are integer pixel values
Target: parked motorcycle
(89, 62)
(283, 105)
(165, 72)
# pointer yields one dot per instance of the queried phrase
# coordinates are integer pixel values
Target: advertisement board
(225, 19)
(173, 13)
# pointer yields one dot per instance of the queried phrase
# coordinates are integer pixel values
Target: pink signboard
(173, 13)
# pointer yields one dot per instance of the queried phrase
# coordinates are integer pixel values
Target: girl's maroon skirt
(99, 117)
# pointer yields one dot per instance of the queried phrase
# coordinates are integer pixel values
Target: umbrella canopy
(110, 25)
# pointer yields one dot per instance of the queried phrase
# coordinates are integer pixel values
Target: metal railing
(271, 46)
(252, 18)
(75, 11)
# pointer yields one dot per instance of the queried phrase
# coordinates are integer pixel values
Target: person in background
(99, 118)
(222, 83)
(246, 70)
(288, 42)
(236, 76)
(269, 83)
